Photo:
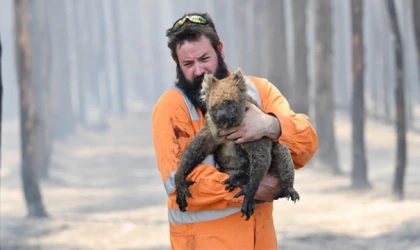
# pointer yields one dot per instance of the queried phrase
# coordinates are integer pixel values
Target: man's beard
(192, 88)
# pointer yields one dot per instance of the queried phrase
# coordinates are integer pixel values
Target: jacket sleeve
(172, 132)
(297, 133)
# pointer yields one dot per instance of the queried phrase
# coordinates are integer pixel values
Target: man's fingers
(227, 131)
(233, 136)
(239, 140)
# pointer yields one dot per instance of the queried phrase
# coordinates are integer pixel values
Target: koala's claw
(181, 194)
(288, 193)
(229, 186)
(236, 180)
(248, 207)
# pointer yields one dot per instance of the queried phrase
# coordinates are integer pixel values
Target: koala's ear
(241, 80)
(238, 75)
(208, 81)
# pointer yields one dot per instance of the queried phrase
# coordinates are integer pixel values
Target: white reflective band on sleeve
(169, 184)
(253, 92)
(177, 217)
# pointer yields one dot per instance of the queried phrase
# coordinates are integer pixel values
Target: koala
(247, 163)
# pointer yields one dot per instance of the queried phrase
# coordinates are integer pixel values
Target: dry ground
(105, 193)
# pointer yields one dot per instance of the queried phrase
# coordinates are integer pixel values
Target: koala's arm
(172, 131)
(199, 148)
(296, 130)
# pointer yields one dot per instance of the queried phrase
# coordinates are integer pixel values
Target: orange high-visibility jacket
(213, 218)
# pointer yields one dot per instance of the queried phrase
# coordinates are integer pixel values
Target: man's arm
(172, 132)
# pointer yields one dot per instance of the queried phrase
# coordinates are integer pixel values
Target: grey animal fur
(245, 163)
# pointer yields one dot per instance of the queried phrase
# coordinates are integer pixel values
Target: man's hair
(192, 32)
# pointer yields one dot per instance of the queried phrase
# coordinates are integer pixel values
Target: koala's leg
(237, 179)
(282, 166)
(259, 159)
(202, 144)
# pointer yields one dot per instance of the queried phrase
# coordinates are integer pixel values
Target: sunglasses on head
(193, 18)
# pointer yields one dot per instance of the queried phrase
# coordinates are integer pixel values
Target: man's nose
(198, 70)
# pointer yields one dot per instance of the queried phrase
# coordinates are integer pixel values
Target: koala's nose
(222, 116)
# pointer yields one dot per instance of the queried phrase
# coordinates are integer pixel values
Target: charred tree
(1, 97)
(28, 115)
(40, 43)
(398, 185)
(416, 21)
(259, 8)
(103, 46)
(82, 71)
(276, 37)
(62, 110)
(301, 83)
(121, 104)
(327, 155)
(359, 179)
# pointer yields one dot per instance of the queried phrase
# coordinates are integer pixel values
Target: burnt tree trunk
(1, 97)
(82, 60)
(277, 56)
(327, 155)
(416, 21)
(103, 54)
(41, 52)
(259, 8)
(398, 186)
(301, 83)
(28, 116)
(122, 109)
(359, 174)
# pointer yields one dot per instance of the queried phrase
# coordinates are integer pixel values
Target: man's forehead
(190, 53)
(202, 43)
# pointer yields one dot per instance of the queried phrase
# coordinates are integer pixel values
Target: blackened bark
(119, 61)
(398, 185)
(327, 155)
(1, 97)
(359, 173)
(301, 83)
(82, 71)
(28, 116)
(416, 21)
(41, 52)
(276, 35)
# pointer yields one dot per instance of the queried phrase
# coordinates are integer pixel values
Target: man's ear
(175, 60)
(220, 49)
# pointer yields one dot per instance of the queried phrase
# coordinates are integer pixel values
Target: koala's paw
(288, 193)
(248, 207)
(181, 193)
(236, 180)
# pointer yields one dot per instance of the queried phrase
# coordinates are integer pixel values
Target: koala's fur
(245, 163)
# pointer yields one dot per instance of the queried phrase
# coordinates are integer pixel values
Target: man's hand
(254, 126)
(268, 188)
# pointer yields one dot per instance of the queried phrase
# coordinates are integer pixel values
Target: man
(213, 218)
